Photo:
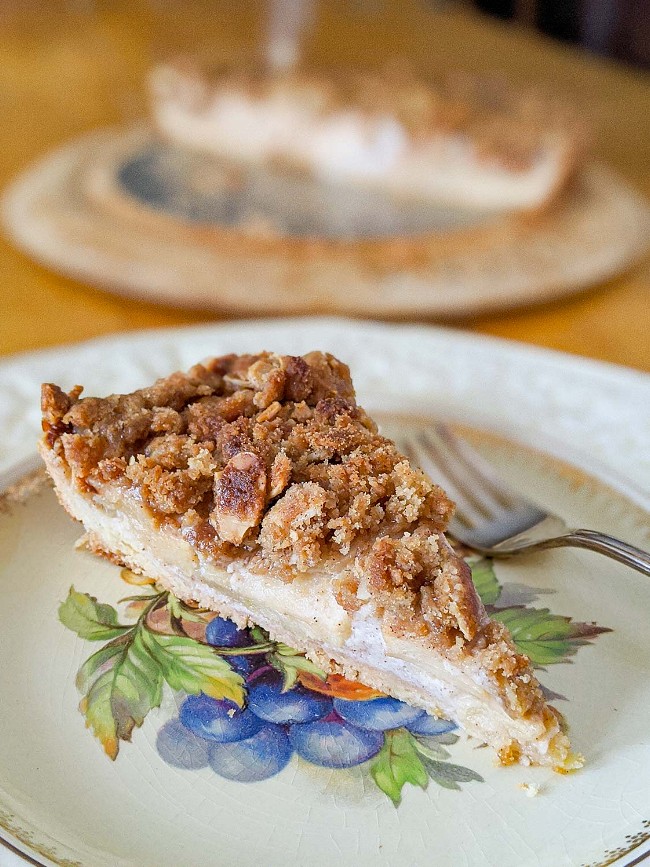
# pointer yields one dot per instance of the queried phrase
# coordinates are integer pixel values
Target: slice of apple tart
(256, 486)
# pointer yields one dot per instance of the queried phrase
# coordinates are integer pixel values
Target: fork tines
(479, 494)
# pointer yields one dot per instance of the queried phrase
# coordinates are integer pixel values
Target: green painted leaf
(90, 619)
(515, 595)
(181, 611)
(544, 637)
(194, 667)
(485, 579)
(195, 615)
(398, 763)
(174, 606)
(96, 664)
(259, 635)
(289, 663)
(447, 738)
(449, 776)
(551, 695)
(140, 597)
(430, 749)
(122, 695)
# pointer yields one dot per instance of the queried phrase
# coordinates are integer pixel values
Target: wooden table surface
(70, 67)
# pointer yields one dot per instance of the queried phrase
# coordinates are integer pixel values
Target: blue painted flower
(218, 720)
(334, 743)
(267, 701)
(428, 725)
(224, 633)
(243, 665)
(256, 758)
(377, 714)
(179, 747)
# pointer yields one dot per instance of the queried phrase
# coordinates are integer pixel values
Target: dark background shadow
(614, 28)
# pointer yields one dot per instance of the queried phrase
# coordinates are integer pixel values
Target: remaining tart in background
(255, 486)
(468, 141)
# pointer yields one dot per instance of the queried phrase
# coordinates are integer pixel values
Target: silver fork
(491, 518)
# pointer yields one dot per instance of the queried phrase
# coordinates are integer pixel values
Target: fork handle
(603, 544)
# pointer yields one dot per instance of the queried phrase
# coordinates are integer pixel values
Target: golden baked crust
(268, 459)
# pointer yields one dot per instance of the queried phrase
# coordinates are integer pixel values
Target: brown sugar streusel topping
(268, 458)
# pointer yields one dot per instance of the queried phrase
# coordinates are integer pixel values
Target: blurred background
(613, 28)
(68, 67)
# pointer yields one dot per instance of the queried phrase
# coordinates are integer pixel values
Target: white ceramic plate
(64, 802)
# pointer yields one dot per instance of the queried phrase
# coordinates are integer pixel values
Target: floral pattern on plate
(249, 704)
